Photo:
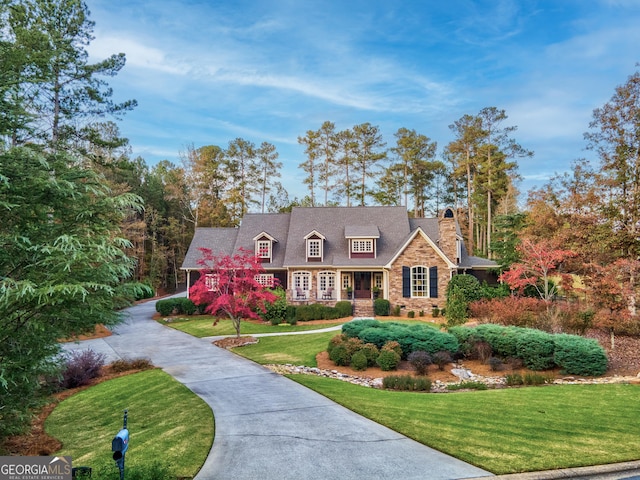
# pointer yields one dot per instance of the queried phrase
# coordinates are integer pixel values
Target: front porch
(339, 285)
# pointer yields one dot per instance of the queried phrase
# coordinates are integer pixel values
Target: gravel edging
(438, 386)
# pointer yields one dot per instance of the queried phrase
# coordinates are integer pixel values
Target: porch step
(363, 308)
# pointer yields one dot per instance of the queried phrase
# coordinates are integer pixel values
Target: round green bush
(165, 307)
(381, 307)
(393, 346)
(340, 355)
(371, 352)
(388, 360)
(359, 361)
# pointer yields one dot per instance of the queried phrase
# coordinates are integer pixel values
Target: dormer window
(362, 246)
(362, 240)
(264, 247)
(315, 246)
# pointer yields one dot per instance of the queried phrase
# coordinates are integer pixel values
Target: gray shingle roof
(391, 222)
(220, 240)
(275, 224)
(391, 225)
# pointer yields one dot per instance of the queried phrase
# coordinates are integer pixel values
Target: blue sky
(207, 72)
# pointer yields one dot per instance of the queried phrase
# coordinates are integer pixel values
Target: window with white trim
(264, 248)
(314, 248)
(211, 281)
(377, 280)
(302, 280)
(419, 281)
(346, 281)
(265, 279)
(362, 246)
(326, 280)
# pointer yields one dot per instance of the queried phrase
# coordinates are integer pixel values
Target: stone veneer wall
(447, 241)
(418, 252)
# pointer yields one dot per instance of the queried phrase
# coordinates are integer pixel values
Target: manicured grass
(294, 349)
(203, 327)
(167, 423)
(510, 430)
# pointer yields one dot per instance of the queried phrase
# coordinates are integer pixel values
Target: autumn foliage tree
(229, 286)
(614, 291)
(540, 263)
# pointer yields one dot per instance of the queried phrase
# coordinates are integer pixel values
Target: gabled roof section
(254, 224)
(410, 238)
(264, 235)
(392, 224)
(220, 241)
(361, 231)
(315, 233)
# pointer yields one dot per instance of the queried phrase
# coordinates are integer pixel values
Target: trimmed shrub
(411, 314)
(468, 385)
(441, 359)
(371, 352)
(165, 307)
(185, 306)
(388, 360)
(393, 346)
(579, 356)
(535, 348)
(420, 360)
(343, 309)
(359, 361)
(353, 329)
(81, 367)
(353, 345)
(334, 342)
(435, 312)
(340, 355)
(406, 382)
(396, 311)
(377, 336)
(381, 307)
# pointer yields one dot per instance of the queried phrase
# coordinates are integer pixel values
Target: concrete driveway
(269, 427)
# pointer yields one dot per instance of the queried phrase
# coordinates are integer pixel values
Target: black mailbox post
(120, 445)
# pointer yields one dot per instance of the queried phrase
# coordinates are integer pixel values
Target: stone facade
(419, 252)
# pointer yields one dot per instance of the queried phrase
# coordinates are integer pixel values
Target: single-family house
(327, 254)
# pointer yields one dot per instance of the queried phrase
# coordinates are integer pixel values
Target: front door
(362, 284)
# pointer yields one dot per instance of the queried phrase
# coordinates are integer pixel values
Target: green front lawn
(508, 430)
(167, 423)
(202, 326)
(294, 349)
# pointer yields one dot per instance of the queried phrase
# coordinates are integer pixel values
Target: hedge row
(180, 305)
(538, 350)
(318, 311)
(410, 337)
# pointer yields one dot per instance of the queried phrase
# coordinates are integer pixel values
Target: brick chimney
(448, 241)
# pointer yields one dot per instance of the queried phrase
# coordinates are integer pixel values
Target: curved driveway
(267, 426)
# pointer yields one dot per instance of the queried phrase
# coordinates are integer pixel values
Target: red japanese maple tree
(229, 286)
(541, 261)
